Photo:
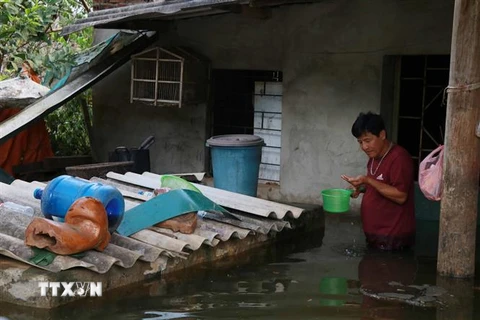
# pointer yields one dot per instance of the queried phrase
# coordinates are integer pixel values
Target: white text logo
(71, 289)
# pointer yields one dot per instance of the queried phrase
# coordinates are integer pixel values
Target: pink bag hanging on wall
(430, 175)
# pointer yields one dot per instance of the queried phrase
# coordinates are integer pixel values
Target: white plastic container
(12, 206)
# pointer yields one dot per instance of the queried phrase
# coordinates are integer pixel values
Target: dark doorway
(250, 102)
(421, 109)
(233, 90)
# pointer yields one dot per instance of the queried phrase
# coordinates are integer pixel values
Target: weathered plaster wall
(180, 134)
(331, 54)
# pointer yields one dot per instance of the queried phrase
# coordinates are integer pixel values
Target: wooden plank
(54, 163)
(458, 215)
(156, 77)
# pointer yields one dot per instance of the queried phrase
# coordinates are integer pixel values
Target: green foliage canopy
(29, 32)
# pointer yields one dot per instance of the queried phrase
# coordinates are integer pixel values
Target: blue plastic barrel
(236, 162)
(63, 191)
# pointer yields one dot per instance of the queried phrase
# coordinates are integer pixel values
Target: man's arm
(387, 191)
(400, 180)
(384, 189)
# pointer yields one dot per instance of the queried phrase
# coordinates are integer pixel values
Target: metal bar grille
(421, 118)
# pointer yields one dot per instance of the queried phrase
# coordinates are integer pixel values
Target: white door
(268, 125)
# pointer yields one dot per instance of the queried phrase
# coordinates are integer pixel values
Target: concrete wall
(331, 54)
(180, 133)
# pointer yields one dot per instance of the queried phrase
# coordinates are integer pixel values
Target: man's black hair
(368, 122)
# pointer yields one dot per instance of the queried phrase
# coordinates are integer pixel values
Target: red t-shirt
(388, 225)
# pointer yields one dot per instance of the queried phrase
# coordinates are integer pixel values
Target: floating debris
(415, 295)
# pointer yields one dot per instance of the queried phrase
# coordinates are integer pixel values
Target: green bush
(67, 128)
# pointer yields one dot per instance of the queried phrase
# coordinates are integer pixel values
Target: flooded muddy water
(319, 276)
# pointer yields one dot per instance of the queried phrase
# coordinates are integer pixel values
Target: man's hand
(358, 185)
(355, 181)
(356, 192)
(384, 189)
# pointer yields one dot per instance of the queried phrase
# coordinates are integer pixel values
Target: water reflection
(313, 278)
(376, 272)
(335, 286)
(377, 269)
(461, 300)
(354, 250)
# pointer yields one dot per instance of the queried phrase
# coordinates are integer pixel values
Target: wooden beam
(85, 6)
(458, 218)
(160, 26)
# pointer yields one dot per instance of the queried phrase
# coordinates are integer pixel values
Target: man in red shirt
(388, 204)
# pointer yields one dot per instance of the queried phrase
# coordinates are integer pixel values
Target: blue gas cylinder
(63, 191)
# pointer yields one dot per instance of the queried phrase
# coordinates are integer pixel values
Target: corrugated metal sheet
(149, 245)
(150, 11)
(116, 56)
(255, 206)
(121, 17)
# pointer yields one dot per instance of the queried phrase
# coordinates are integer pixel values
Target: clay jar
(85, 228)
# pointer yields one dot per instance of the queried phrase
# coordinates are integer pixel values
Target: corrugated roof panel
(255, 206)
(150, 245)
(147, 11)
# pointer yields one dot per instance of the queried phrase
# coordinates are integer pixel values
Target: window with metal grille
(419, 104)
(167, 77)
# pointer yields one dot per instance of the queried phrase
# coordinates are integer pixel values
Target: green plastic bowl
(336, 200)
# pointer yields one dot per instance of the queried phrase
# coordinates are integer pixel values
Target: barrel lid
(235, 140)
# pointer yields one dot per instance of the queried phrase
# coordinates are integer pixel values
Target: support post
(458, 214)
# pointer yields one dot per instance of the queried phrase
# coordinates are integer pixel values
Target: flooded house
(295, 73)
